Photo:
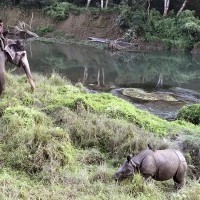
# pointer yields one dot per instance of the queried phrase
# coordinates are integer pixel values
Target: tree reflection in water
(101, 68)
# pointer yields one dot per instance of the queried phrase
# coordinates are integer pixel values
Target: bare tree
(166, 7)
(182, 7)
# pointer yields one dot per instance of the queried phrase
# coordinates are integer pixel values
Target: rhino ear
(128, 158)
(5, 33)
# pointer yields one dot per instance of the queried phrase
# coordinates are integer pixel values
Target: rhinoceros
(161, 165)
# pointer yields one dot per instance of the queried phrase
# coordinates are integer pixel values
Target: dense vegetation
(141, 19)
(62, 142)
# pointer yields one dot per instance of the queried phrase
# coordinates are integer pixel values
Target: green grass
(61, 142)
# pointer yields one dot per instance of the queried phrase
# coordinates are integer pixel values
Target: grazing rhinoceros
(161, 165)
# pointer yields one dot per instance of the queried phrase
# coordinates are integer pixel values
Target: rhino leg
(179, 178)
(179, 185)
(147, 176)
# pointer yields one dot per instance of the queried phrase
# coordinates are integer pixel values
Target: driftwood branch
(21, 33)
(22, 30)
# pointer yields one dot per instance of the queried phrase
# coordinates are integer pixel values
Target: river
(102, 70)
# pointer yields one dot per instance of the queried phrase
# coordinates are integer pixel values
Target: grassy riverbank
(62, 142)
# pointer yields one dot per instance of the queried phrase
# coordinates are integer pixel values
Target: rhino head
(126, 170)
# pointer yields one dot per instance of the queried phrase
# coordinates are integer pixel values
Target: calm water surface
(104, 70)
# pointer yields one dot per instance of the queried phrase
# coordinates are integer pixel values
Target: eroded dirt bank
(79, 26)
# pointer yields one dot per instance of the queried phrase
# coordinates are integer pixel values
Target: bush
(132, 18)
(190, 114)
(41, 30)
(61, 10)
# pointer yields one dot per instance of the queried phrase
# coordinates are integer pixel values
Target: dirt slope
(86, 25)
(81, 26)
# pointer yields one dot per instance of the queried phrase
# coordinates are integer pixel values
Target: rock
(140, 94)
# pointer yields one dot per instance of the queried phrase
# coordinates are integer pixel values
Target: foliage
(131, 17)
(184, 29)
(41, 30)
(181, 31)
(61, 10)
(190, 114)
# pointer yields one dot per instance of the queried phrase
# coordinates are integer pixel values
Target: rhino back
(162, 164)
(168, 162)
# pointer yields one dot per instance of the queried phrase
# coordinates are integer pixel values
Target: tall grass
(62, 143)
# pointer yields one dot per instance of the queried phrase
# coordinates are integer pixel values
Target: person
(2, 39)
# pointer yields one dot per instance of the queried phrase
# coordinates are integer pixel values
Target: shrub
(61, 10)
(132, 18)
(190, 114)
(41, 30)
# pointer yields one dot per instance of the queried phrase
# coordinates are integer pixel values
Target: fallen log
(113, 44)
(101, 40)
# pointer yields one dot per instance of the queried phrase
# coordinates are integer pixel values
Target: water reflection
(98, 67)
(177, 74)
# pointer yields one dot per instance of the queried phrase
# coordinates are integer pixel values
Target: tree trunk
(102, 4)
(88, 3)
(166, 7)
(182, 7)
(106, 5)
(148, 8)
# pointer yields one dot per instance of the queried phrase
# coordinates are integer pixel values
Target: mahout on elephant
(13, 51)
(161, 165)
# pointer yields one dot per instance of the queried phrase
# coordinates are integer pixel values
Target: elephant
(14, 52)
(160, 165)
